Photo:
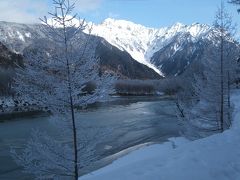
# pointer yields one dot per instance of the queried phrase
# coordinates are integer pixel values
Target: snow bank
(213, 158)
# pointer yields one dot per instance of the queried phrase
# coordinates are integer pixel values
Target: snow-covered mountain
(143, 42)
(19, 38)
(130, 49)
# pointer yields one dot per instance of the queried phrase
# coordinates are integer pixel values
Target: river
(128, 121)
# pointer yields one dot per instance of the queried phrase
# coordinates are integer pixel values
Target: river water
(128, 121)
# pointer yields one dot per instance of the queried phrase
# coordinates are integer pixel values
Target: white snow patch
(10, 34)
(74, 22)
(213, 158)
(20, 36)
(28, 35)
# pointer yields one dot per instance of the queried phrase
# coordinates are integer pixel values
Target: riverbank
(211, 158)
(119, 125)
(11, 113)
(19, 114)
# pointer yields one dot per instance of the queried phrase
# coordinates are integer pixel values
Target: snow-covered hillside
(22, 38)
(19, 36)
(142, 42)
(168, 50)
(213, 158)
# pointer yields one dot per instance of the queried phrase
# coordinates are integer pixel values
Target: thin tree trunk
(222, 96)
(75, 146)
(180, 109)
(229, 101)
(74, 139)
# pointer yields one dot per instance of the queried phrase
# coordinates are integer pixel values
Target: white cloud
(29, 11)
(23, 11)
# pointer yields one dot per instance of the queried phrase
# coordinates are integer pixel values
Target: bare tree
(237, 73)
(236, 2)
(205, 105)
(199, 103)
(223, 22)
(55, 77)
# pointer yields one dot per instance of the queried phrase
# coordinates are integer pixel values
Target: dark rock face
(120, 62)
(8, 61)
(178, 55)
(172, 62)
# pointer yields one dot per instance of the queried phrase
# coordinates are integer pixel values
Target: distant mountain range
(131, 50)
(21, 37)
(168, 50)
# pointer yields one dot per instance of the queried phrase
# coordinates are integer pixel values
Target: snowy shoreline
(180, 159)
(20, 114)
(10, 112)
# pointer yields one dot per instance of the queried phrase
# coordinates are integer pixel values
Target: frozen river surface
(127, 121)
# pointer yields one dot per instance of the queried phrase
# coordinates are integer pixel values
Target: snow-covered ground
(213, 158)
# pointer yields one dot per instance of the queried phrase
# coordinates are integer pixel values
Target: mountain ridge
(167, 51)
(20, 37)
(142, 42)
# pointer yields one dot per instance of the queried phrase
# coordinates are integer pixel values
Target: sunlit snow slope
(142, 42)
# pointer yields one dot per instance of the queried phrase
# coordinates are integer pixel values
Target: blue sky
(158, 13)
(151, 13)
